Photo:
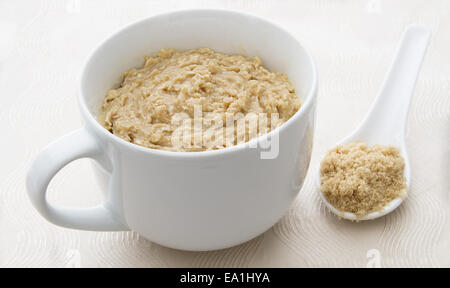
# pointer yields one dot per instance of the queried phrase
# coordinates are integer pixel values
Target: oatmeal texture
(146, 108)
(362, 179)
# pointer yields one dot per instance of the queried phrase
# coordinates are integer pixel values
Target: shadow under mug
(185, 200)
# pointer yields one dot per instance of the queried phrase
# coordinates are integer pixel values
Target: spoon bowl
(385, 124)
(391, 206)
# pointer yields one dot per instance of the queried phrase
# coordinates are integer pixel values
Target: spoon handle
(389, 112)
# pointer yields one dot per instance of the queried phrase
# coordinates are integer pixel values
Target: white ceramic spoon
(385, 124)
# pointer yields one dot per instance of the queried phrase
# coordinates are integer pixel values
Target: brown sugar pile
(362, 179)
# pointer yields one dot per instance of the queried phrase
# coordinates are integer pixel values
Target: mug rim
(310, 96)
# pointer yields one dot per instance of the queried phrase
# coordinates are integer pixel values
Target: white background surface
(43, 45)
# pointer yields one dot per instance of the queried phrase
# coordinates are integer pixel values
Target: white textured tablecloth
(44, 43)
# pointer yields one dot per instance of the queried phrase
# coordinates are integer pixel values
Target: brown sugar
(362, 179)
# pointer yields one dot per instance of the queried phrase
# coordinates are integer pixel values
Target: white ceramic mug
(185, 200)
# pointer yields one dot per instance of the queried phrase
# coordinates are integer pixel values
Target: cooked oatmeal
(151, 101)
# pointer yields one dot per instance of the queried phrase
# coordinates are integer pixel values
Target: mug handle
(73, 146)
